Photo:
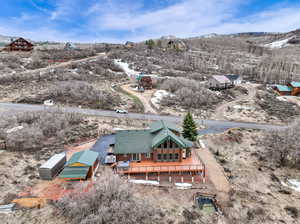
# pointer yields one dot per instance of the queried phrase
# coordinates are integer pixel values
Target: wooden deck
(191, 164)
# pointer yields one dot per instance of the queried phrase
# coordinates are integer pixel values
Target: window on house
(176, 156)
(166, 144)
(170, 156)
(165, 157)
(171, 145)
(136, 157)
(159, 157)
(148, 155)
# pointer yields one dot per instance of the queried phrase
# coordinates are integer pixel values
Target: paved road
(215, 124)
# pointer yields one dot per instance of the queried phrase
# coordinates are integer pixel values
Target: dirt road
(220, 110)
(64, 64)
(144, 97)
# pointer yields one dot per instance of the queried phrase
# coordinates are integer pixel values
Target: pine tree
(189, 128)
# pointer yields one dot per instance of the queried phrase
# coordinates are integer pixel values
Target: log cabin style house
(158, 153)
(161, 143)
(19, 44)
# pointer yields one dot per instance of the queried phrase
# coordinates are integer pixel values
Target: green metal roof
(74, 172)
(142, 141)
(295, 84)
(164, 135)
(86, 157)
(159, 125)
(284, 88)
(133, 141)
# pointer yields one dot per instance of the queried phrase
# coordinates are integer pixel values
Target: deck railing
(161, 169)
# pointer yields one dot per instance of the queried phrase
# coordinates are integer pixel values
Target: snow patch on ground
(158, 95)
(278, 44)
(183, 186)
(146, 182)
(293, 184)
(125, 67)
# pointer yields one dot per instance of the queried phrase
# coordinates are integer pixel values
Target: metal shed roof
(74, 172)
(53, 161)
(86, 157)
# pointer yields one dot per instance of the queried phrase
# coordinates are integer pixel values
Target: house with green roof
(295, 88)
(283, 90)
(161, 142)
(80, 166)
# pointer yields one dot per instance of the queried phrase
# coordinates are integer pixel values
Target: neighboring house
(296, 88)
(129, 44)
(234, 79)
(283, 90)
(19, 44)
(70, 46)
(177, 44)
(219, 82)
(81, 166)
(158, 152)
(144, 81)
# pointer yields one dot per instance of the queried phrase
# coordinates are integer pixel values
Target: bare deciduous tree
(282, 146)
(111, 200)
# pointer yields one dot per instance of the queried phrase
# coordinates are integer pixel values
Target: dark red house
(19, 44)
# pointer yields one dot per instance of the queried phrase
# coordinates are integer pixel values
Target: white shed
(52, 167)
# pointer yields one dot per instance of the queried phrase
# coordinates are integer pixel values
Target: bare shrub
(282, 146)
(282, 110)
(188, 93)
(38, 127)
(76, 93)
(62, 54)
(111, 200)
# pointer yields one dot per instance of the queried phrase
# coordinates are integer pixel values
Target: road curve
(152, 117)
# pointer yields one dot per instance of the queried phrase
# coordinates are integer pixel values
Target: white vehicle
(119, 111)
(48, 102)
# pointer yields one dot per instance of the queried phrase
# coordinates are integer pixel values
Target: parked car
(49, 103)
(119, 111)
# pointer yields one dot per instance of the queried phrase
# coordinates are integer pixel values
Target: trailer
(53, 166)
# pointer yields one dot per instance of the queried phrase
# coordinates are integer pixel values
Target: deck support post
(181, 179)
(192, 179)
(170, 178)
(128, 176)
(158, 179)
(146, 176)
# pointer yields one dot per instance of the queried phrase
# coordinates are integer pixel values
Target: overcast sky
(120, 20)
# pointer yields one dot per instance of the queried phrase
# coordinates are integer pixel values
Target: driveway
(144, 98)
(102, 145)
(220, 110)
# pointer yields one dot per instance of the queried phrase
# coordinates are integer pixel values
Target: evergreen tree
(150, 43)
(189, 128)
